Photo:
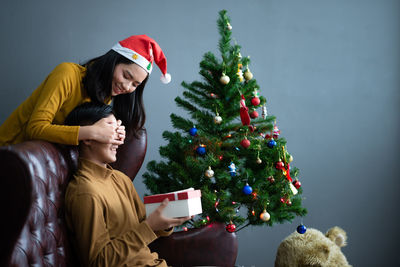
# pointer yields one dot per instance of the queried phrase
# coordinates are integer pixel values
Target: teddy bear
(313, 248)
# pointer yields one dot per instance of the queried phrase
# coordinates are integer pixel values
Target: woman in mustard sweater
(117, 77)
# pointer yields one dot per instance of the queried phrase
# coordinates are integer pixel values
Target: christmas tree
(236, 157)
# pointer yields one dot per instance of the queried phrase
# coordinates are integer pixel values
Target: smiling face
(97, 152)
(126, 78)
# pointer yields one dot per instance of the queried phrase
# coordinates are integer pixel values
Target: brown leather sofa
(33, 232)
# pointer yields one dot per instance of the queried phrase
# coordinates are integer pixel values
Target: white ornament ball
(265, 216)
(224, 79)
(259, 161)
(290, 158)
(229, 26)
(209, 173)
(217, 119)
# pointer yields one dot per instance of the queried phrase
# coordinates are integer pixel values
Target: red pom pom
(255, 101)
(254, 114)
(230, 228)
(245, 143)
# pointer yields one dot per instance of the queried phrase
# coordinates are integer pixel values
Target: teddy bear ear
(338, 236)
(339, 240)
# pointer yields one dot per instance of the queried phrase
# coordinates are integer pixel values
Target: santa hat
(143, 50)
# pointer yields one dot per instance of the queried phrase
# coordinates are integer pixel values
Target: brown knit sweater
(107, 219)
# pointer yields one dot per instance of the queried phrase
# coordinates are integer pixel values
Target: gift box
(181, 203)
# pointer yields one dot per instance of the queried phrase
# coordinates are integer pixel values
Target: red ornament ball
(255, 101)
(254, 114)
(230, 228)
(297, 184)
(245, 143)
(279, 165)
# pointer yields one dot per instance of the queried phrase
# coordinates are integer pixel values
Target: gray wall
(329, 69)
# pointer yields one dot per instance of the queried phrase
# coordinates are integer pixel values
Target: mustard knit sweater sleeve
(41, 115)
(58, 88)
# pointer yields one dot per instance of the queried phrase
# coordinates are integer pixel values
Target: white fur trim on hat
(135, 57)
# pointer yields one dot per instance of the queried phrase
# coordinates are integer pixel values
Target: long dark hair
(128, 108)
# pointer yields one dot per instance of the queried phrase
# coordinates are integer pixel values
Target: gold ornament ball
(224, 79)
(209, 173)
(217, 119)
(259, 161)
(265, 216)
(248, 75)
(290, 158)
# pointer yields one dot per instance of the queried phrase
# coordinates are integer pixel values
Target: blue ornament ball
(271, 143)
(201, 150)
(193, 131)
(247, 190)
(301, 229)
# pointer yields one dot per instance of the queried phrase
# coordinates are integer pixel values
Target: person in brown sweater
(104, 213)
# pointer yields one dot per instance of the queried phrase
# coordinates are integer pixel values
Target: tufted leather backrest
(33, 180)
(42, 239)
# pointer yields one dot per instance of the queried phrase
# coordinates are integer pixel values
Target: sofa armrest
(33, 180)
(15, 200)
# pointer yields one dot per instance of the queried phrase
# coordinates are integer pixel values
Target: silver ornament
(209, 173)
(217, 119)
(224, 79)
(265, 216)
(264, 113)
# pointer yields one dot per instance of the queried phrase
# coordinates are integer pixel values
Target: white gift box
(181, 203)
